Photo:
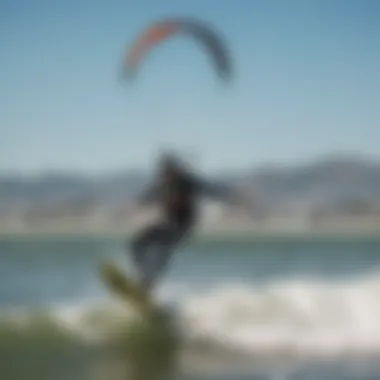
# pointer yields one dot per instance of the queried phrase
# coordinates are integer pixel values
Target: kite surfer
(176, 189)
(177, 192)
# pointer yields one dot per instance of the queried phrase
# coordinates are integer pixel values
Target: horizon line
(144, 170)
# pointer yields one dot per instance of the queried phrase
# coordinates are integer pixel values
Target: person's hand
(138, 205)
(241, 201)
(236, 198)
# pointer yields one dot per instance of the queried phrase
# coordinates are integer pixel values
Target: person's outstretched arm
(214, 190)
(149, 194)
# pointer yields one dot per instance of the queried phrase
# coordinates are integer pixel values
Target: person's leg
(157, 264)
(170, 236)
(140, 245)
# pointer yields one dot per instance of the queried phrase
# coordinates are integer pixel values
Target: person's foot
(146, 287)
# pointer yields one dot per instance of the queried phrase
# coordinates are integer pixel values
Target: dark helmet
(169, 161)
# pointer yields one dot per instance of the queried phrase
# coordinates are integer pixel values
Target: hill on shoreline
(330, 179)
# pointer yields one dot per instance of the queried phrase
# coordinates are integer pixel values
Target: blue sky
(307, 83)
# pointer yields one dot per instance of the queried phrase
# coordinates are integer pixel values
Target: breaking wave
(298, 318)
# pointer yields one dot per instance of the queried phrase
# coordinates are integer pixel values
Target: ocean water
(285, 308)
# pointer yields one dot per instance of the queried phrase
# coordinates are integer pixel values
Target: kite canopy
(164, 29)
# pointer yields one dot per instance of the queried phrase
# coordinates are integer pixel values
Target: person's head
(169, 165)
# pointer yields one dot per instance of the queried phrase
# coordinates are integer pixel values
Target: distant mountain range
(329, 180)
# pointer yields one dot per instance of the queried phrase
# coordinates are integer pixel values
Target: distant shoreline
(199, 236)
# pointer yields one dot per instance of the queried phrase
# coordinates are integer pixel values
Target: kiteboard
(125, 287)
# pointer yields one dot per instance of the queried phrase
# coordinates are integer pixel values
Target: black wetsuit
(178, 197)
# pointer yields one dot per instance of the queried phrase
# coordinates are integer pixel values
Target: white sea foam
(297, 317)
(301, 318)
